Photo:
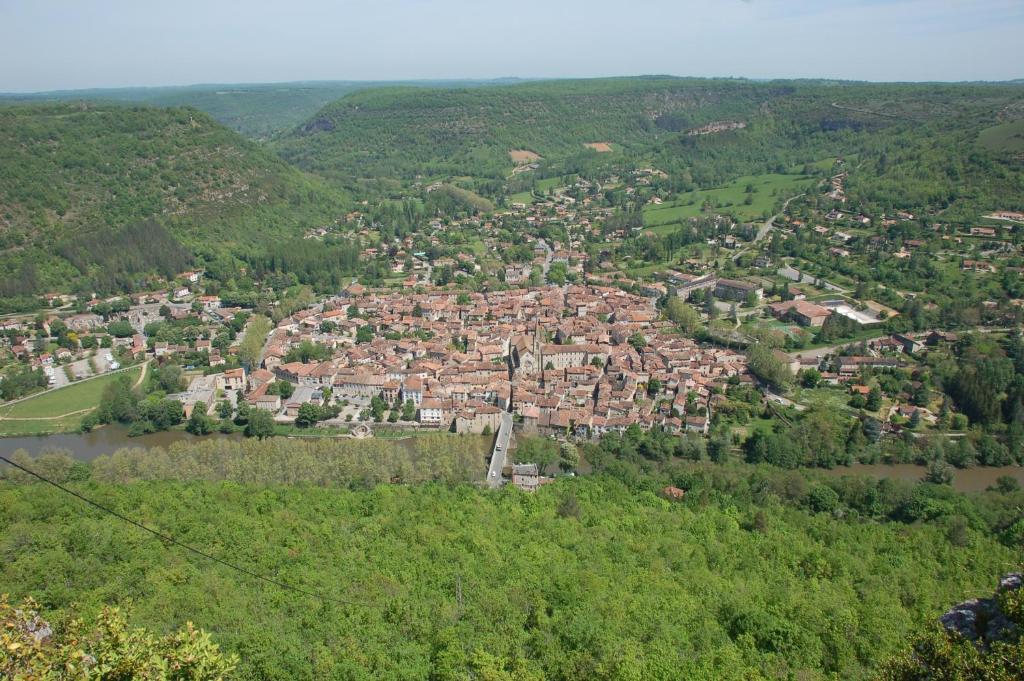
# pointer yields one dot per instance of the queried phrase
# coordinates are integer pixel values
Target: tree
(377, 408)
(638, 341)
(199, 423)
(940, 654)
(810, 378)
(718, 448)
(409, 411)
(282, 388)
(939, 473)
(915, 419)
(118, 404)
(1007, 484)
(762, 361)
(569, 456)
(120, 329)
(224, 409)
(653, 387)
(168, 378)
(823, 499)
(309, 414)
(874, 400)
(31, 649)
(89, 422)
(364, 334)
(260, 425)
(538, 450)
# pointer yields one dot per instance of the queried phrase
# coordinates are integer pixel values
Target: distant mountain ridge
(257, 110)
(403, 132)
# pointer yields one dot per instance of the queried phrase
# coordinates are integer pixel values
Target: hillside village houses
(558, 358)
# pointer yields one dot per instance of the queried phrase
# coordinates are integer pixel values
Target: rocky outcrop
(981, 619)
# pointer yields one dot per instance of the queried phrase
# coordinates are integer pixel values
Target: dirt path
(142, 374)
(46, 418)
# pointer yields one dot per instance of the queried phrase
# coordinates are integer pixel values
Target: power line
(171, 540)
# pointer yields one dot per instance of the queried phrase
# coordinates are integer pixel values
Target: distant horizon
(118, 44)
(496, 79)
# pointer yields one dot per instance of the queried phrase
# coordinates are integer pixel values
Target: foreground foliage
(940, 655)
(109, 649)
(588, 578)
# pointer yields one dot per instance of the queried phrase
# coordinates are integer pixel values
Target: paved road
(547, 258)
(793, 274)
(500, 451)
(775, 397)
(767, 227)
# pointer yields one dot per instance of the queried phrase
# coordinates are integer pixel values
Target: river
(105, 440)
(964, 480)
(108, 439)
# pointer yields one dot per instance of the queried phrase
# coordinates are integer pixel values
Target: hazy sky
(50, 44)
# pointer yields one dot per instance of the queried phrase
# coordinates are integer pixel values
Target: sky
(72, 44)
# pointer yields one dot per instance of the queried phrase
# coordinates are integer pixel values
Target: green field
(521, 197)
(769, 190)
(1003, 137)
(57, 410)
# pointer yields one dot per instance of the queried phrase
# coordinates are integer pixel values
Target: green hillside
(1005, 137)
(103, 195)
(404, 132)
(257, 110)
(915, 143)
(587, 579)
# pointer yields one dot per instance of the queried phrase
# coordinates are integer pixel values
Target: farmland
(768, 190)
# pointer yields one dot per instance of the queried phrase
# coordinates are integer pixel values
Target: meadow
(58, 410)
(769, 190)
(1007, 137)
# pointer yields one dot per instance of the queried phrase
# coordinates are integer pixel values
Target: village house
(801, 312)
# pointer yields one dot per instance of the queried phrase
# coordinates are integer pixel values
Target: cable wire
(171, 540)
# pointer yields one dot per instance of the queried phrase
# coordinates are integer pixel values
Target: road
(767, 227)
(500, 451)
(547, 258)
(779, 399)
(793, 274)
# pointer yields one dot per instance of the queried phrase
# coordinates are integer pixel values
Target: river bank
(974, 479)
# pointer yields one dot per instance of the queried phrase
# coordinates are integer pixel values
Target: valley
(641, 377)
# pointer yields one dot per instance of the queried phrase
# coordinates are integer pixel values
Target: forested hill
(257, 110)
(918, 143)
(102, 195)
(402, 131)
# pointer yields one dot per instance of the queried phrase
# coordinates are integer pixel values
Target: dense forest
(101, 196)
(757, 573)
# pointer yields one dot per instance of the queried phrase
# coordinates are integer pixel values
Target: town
(558, 335)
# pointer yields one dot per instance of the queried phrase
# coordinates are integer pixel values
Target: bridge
(500, 451)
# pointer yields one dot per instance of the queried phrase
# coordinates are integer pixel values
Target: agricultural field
(769, 190)
(58, 410)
